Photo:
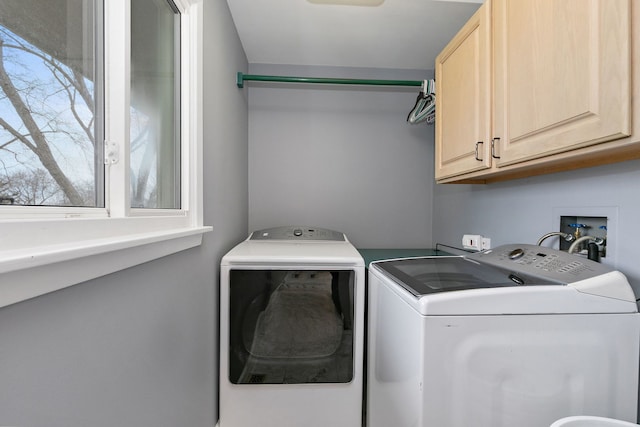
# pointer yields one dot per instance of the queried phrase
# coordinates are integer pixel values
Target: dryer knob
(297, 232)
(516, 254)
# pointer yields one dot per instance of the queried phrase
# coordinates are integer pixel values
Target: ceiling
(397, 34)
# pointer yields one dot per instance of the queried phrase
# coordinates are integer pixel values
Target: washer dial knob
(516, 254)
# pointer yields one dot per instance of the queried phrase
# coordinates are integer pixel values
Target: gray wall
(343, 157)
(139, 347)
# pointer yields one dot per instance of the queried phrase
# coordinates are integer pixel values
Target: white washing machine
(518, 336)
(292, 330)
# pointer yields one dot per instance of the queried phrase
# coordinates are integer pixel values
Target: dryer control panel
(297, 233)
(539, 261)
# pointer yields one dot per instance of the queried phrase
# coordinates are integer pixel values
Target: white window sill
(28, 272)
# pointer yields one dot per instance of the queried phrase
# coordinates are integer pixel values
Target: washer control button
(297, 232)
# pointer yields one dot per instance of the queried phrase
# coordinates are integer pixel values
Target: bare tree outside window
(47, 105)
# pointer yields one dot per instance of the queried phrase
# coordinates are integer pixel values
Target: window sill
(27, 273)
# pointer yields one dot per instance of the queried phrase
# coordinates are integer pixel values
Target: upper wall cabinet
(560, 91)
(562, 75)
(463, 71)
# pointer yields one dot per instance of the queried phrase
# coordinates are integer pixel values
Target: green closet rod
(241, 78)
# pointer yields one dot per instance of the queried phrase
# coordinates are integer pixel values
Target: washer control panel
(538, 261)
(297, 233)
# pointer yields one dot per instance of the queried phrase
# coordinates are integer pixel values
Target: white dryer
(518, 336)
(292, 330)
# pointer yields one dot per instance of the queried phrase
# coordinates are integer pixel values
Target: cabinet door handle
(493, 148)
(477, 151)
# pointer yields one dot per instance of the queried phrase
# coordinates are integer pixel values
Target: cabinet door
(463, 102)
(562, 75)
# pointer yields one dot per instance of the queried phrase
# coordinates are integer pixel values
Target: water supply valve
(578, 227)
(584, 229)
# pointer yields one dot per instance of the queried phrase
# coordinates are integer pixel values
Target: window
(49, 139)
(100, 137)
(155, 111)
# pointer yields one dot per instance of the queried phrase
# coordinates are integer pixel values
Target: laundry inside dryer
(291, 327)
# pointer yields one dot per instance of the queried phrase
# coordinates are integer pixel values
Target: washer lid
(461, 286)
(423, 276)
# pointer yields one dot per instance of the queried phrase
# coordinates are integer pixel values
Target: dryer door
(291, 326)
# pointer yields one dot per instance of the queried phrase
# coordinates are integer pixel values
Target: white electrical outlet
(485, 243)
(472, 241)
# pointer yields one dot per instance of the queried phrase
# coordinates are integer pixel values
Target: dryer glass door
(291, 326)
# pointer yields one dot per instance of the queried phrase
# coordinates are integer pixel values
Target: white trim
(28, 275)
(193, 68)
(117, 86)
(29, 212)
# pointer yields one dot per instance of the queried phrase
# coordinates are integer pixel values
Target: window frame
(48, 248)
